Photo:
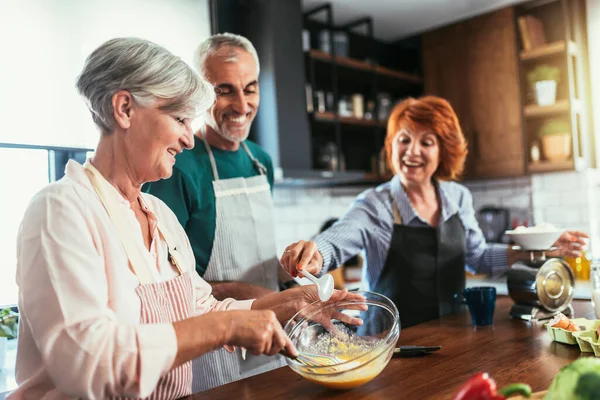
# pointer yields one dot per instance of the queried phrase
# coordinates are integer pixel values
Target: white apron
(244, 250)
(161, 302)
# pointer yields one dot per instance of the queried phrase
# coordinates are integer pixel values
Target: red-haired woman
(419, 229)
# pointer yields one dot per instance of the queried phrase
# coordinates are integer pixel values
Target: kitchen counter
(511, 351)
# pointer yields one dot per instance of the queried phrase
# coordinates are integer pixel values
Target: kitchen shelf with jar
(553, 90)
(330, 117)
(352, 81)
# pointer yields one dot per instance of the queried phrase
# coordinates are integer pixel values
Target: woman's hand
(287, 303)
(259, 332)
(301, 255)
(570, 244)
(326, 314)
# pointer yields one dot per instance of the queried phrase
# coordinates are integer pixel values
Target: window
(48, 43)
(23, 172)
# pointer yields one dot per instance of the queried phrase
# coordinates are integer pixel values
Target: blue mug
(481, 301)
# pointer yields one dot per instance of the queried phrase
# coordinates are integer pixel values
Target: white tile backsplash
(300, 212)
(567, 199)
(545, 198)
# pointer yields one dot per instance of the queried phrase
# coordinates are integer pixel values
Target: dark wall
(275, 29)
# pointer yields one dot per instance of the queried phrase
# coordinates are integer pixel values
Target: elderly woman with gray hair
(111, 304)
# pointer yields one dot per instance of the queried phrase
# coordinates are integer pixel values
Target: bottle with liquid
(581, 266)
(595, 280)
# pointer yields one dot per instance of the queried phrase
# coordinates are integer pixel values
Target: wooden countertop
(511, 351)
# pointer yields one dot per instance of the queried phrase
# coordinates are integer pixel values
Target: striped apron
(161, 302)
(244, 250)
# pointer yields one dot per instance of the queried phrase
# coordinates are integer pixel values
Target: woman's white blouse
(80, 334)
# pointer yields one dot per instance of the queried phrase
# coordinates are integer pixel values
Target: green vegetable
(555, 127)
(543, 73)
(8, 323)
(579, 380)
(515, 388)
(588, 383)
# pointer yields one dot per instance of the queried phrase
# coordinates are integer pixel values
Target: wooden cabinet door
(445, 74)
(473, 64)
(495, 122)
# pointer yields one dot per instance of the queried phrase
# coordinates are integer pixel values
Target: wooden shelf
(365, 66)
(398, 74)
(371, 177)
(330, 117)
(535, 111)
(548, 50)
(360, 121)
(324, 116)
(551, 166)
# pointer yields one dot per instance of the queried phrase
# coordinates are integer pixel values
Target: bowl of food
(539, 237)
(337, 353)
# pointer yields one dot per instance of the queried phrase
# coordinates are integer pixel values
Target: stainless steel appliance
(541, 288)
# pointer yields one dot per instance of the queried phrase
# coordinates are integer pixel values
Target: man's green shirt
(190, 195)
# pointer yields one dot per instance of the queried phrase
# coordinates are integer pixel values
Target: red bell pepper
(482, 387)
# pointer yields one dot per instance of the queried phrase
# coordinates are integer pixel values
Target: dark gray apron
(425, 266)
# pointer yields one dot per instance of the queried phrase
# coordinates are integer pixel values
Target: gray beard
(231, 138)
(223, 133)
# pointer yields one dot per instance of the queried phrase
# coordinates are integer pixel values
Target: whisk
(313, 360)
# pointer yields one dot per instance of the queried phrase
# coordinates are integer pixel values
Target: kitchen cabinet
(352, 80)
(473, 64)
(561, 45)
(444, 60)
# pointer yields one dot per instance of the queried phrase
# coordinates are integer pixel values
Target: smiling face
(415, 155)
(234, 74)
(153, 139)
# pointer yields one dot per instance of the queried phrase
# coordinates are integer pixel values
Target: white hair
(223, 40)
(146, 70)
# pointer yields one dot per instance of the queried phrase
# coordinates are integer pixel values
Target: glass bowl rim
(377, 350)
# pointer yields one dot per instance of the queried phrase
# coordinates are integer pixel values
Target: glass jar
(595, 281)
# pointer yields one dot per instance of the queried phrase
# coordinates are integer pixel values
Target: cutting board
(534, 396)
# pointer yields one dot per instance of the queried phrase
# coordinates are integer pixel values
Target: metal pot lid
(555, 284)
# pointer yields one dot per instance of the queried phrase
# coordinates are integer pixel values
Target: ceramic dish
(534, 240)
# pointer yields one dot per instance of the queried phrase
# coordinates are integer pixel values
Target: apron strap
(397, 217)
(174, 256)
(136, 260)
(262, 170)
(213, 163)
(138, 265)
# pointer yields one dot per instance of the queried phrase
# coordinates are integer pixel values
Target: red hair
(436, 115)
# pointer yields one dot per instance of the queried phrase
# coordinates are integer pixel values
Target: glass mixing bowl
(348, 355)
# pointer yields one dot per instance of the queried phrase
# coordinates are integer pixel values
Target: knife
(412, 351)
